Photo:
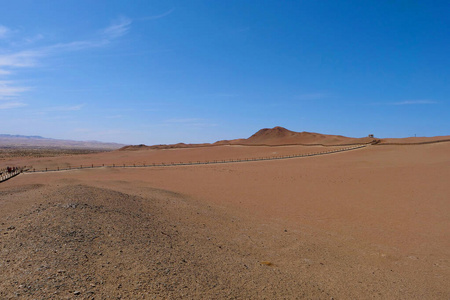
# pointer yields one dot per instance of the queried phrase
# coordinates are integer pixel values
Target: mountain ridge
(276, 136)
(27, 142)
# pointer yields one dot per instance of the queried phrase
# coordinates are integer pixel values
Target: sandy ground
(363, 224)
(168, 156)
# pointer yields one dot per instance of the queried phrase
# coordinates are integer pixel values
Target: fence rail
(412, 143)
(6, 174)
(191, 163)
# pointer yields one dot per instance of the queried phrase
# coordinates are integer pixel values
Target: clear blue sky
(199, 71)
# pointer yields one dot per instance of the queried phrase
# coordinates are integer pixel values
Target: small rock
(76, 292)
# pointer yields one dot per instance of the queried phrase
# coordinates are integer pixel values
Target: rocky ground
(90, 243)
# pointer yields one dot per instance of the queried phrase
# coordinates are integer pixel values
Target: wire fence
(190, 163)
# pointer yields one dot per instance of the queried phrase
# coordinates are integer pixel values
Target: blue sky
(199, 71)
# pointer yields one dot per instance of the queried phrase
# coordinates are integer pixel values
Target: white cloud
(8, 90)
(9, 105)
(31, 57)
(20, 59)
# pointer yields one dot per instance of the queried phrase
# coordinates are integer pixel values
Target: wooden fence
(191, 163)
(6, 174)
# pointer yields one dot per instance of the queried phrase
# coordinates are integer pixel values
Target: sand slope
(369, 223)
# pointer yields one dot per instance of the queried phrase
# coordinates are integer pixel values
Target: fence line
(412, 143)
(6, 174)
(191, 163)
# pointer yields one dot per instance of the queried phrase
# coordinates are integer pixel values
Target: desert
(224, 149)
(371, 222)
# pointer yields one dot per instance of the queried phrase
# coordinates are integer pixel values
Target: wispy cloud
(9, 105)
(65, 108)
(114, 117)
(8, 90)
(312, 96)
(406, 102)
(118, 28)
(20, 59)
(4, 72)
(243, 29)
(72, 46)
(31, 58)
(183, 120)
(4, 31)
(222, 95)
(30, 40)
(157, 16)
(190, 122)
(414, 102)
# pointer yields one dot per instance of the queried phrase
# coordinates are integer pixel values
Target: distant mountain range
(22, 136)
(29, 142)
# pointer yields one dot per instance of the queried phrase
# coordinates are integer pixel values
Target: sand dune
(282, 136)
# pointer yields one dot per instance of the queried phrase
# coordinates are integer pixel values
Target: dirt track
(363, 224)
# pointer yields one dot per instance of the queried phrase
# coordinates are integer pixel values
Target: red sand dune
(282, 136)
